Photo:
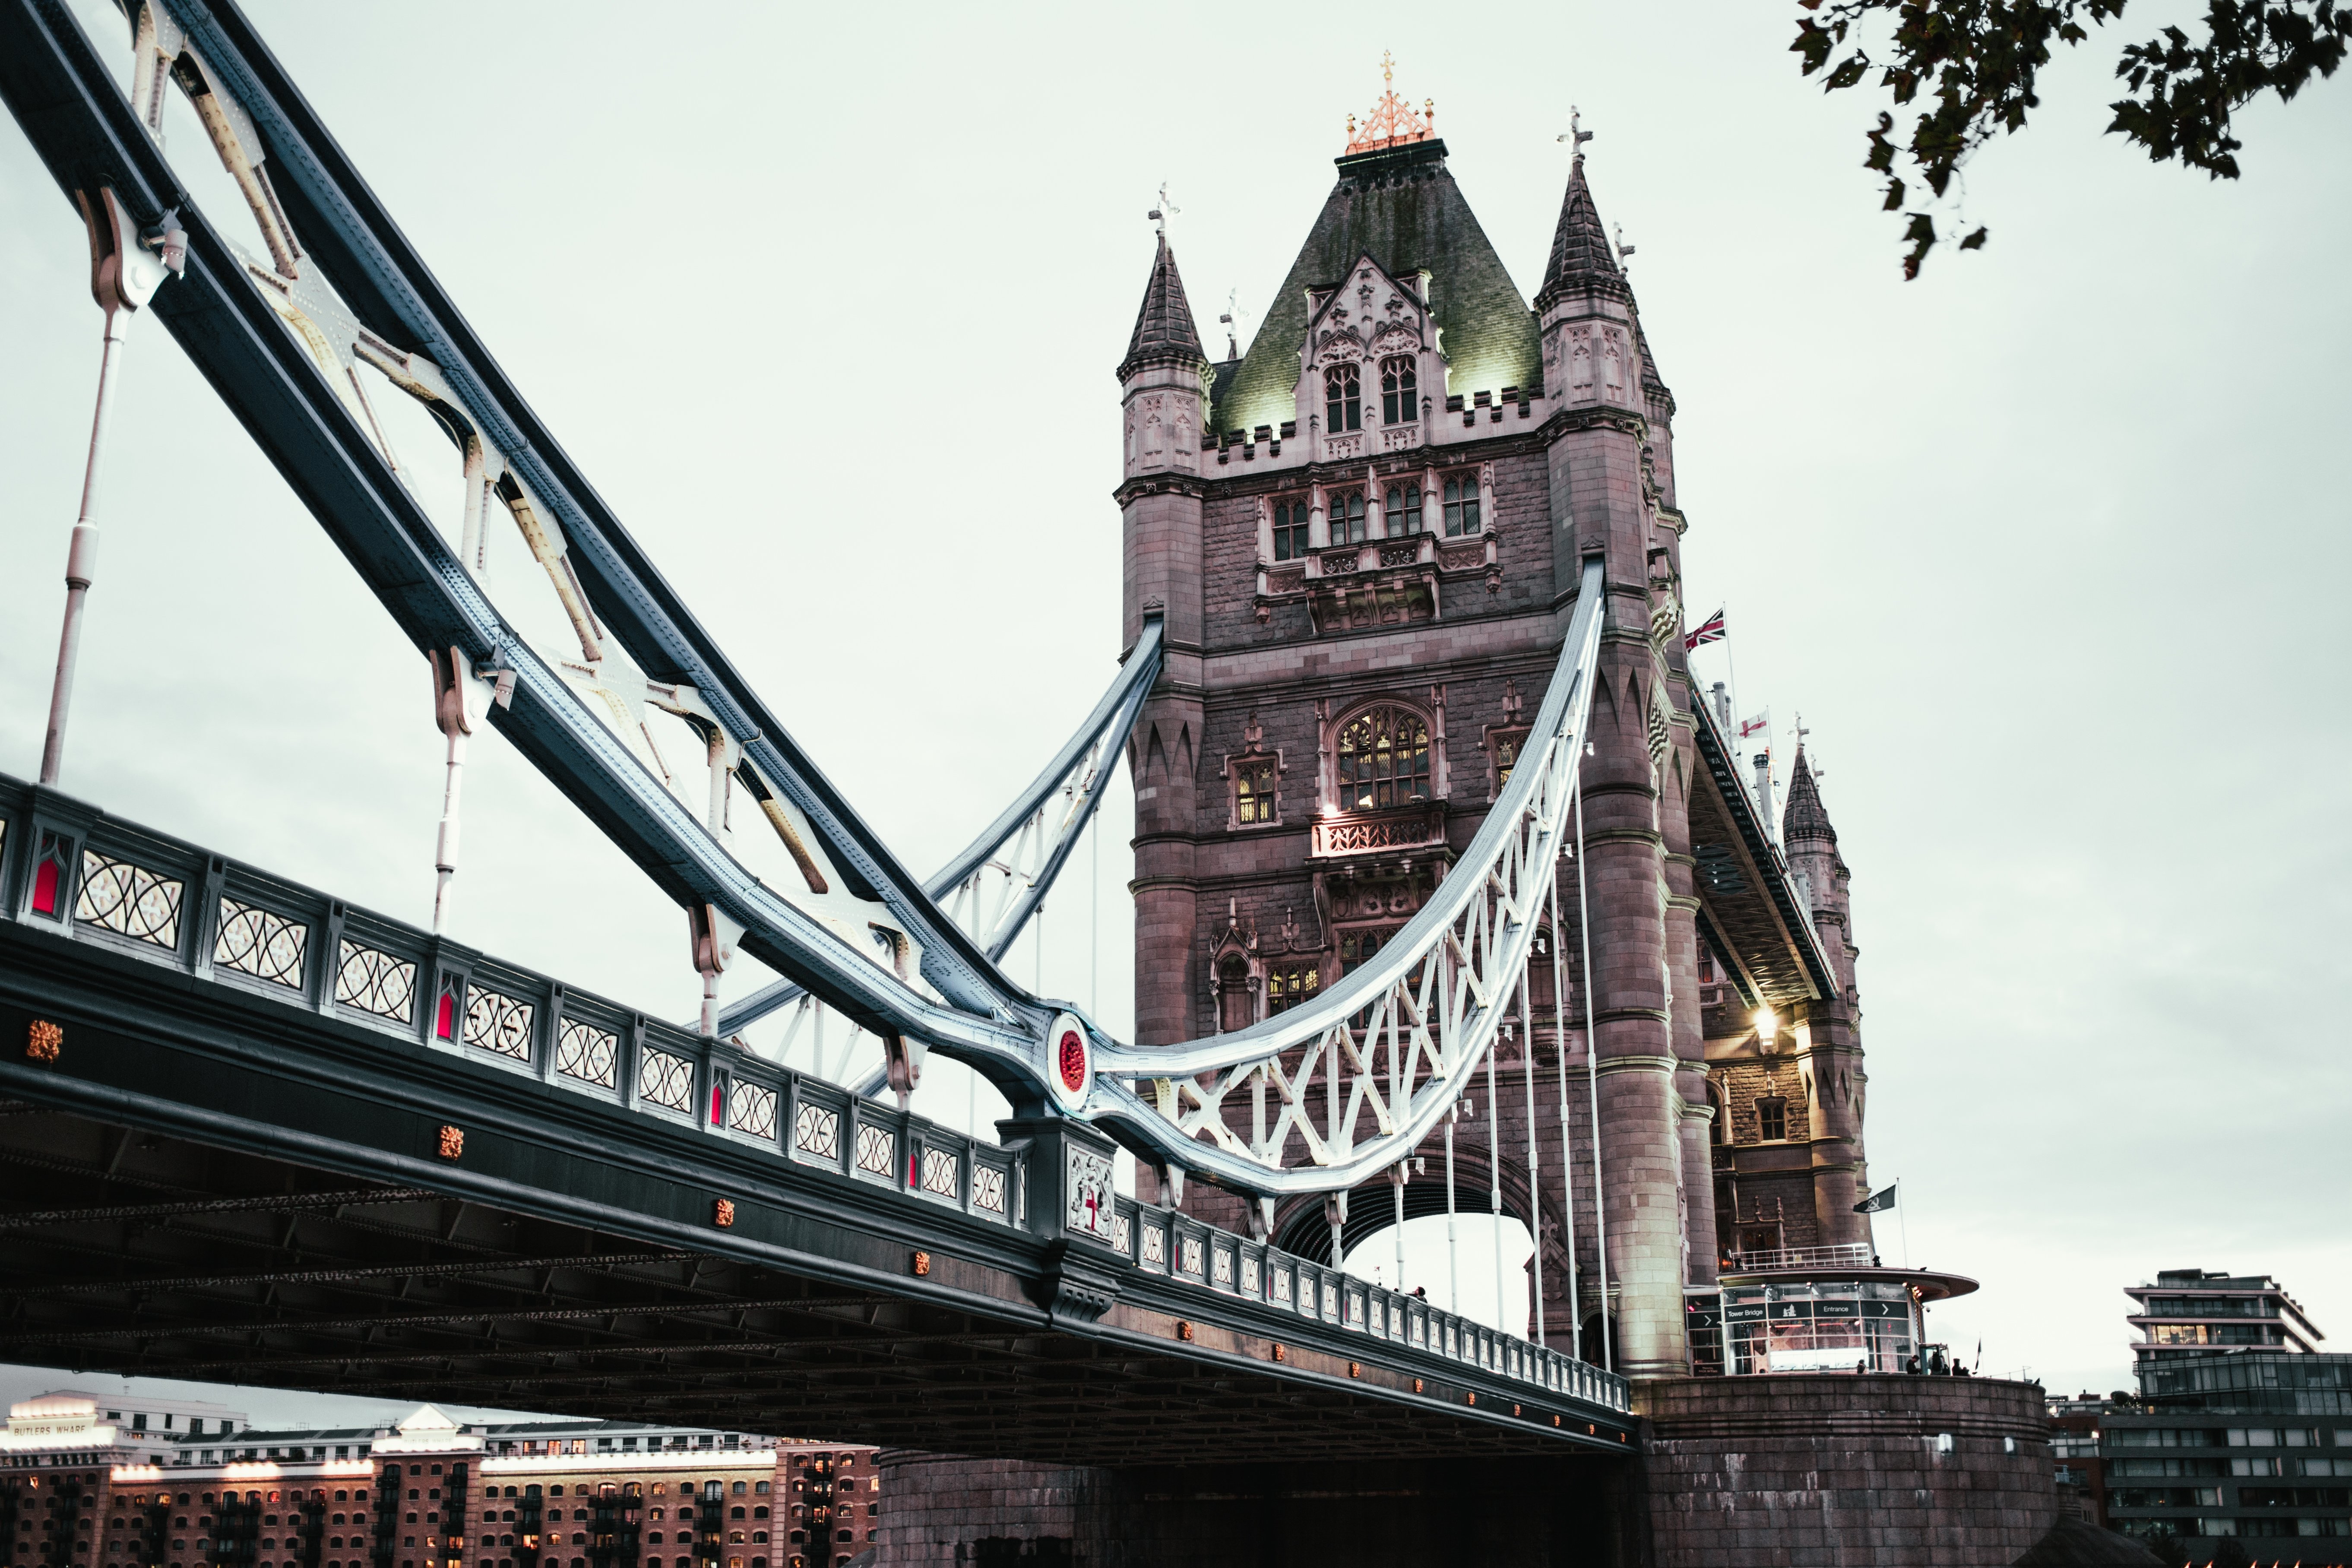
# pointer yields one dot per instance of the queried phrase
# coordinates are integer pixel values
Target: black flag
(1877, 1203)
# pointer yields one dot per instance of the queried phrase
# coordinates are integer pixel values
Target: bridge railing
(66, 867)
(100, 879)
(1172, 1243)
(1836, 1254)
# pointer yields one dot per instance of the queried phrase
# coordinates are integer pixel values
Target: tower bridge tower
(1366, 535)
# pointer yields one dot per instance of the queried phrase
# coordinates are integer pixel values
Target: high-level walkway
(255, 1135)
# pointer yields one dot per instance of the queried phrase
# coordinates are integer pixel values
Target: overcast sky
(2048, 547)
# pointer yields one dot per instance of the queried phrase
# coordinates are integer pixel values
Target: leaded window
(1772, 1119)
(1383, 760)
(1348, 526)
(1253, 799)
(1287, 987)
(1290, 530)
(1461, 506)
(1403, 502)
(1399, 391)
(1343, 399)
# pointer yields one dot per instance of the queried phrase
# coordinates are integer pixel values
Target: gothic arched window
(1343, 399)
(1290, 530)
(1461, 505)
(1399, 391)
(1347, 518)
(1404, 509)
(1383, 759)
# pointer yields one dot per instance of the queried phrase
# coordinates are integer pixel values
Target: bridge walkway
(255, 1134)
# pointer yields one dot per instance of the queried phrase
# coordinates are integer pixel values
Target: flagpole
(1903, 1221)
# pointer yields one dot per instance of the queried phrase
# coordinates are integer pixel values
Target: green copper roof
(1401, 207)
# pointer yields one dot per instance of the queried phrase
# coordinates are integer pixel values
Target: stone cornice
(1158, 485)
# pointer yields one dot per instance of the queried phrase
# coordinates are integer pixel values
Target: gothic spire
(1804, 817)
(1164, 333)
(1581, 261)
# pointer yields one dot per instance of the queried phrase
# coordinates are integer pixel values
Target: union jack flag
(1707, 631)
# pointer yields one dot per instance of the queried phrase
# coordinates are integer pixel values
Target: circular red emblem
(1074, 1061)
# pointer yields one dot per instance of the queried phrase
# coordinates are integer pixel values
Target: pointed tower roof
(1581, 261)
(1399, 204)
(1164, 333)
(1804, 817)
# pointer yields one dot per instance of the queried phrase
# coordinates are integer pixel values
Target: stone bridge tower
(1366, 535)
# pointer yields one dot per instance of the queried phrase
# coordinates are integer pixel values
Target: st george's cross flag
(1756, 725)
(1707, 631)
(1877, 1203)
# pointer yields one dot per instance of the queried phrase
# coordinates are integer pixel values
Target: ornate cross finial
(1233, 336)
(1164, 211)
(1392, 121)
(1577, 136)
(1623, 250)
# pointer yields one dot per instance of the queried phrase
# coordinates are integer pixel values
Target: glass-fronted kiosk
(1798, 1319)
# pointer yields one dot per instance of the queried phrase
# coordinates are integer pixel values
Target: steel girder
(1439, 992)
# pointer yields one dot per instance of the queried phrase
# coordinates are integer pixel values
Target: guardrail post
(1071, 1205)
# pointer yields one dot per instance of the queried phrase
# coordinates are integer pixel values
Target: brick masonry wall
(1842, 1471)
(1366, 1514)
(935, 1506)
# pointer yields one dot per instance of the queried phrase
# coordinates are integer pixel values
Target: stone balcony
(1382, 582)
(1406, 830)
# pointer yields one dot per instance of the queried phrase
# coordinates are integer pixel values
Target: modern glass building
(2243, 1438)
(2193, 1312)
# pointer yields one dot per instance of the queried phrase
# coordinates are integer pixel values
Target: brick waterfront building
(433, 1493)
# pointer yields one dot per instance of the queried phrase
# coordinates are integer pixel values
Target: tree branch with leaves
(1971, 67)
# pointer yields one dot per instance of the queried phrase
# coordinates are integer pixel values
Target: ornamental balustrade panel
(1418, 828)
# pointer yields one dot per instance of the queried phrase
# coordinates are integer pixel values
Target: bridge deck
(230, 1159)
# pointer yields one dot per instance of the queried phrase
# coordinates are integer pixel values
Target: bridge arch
(1300, 1226)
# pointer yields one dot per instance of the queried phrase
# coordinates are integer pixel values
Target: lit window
(1253, 797)
(1461, 506)
(1347, 519)
(1290, 530)
(1399, 391)
(1506, 754)
(1772, 1119)
(1343, 401)
(1383, 760)
(1286, 988)
(1403, 510)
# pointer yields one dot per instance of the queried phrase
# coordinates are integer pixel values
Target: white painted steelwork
(1317, 1100)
